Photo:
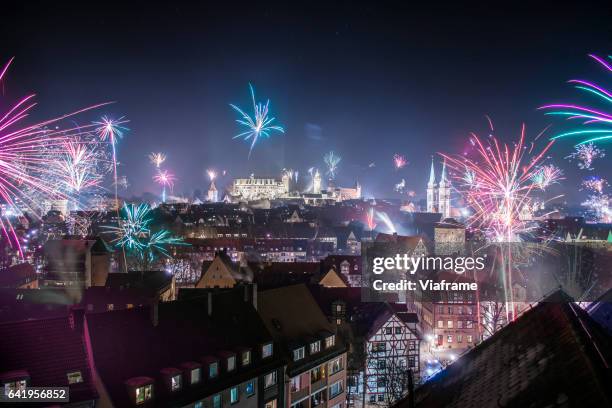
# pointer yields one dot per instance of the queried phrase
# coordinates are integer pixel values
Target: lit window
(213, 370)
(110, 307)
(315, 347)
(270, 379)
(449, 339)
(216, 401)
(175, 382)
(335, 366)
(459, 338)
(75, 377)
(198, 404)
(233, 395)
(468, 338)
(468, 324)
(266, 350)
(298, 354)
(250, 388)
(440, 324)
(271, 404)
(196, 375)
(246, 358)
(144, 393)
(449, 324)
(330, 341)
(296, 383)
(335, 389)
(15, 386)
(231, 363)
(460, 324)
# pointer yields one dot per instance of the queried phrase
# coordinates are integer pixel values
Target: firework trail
(504, 186)
(370, 219)
(134, 235)
(596, 123)
(585, 154)
(595, 184)
(164, 178)
(258, 125)
(24, 160)
(386, 220)
(112, 130)
(469, 178)
(547, 175)
(157, 159)
(399, 161)
(331, 160)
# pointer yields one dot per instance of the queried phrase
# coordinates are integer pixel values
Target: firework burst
(165, 179)
(399, 161)
(585, 154)
(25, 163)
(332, 160)
(157, 159)
(600, 205)
(258, 125)
(504, 185)
(595, 184)
(547, 175)
(212, 175)
(589, 116)
(370, 219)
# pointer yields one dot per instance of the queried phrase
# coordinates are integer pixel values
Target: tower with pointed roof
(444, 206)
(432, 199)
(213, 194)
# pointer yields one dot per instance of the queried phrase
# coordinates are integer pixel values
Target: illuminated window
(298, 354)
(469, 338)
(213, 370)
(449, 339)
(330, 341)
(75, 377)
(144, 393)
(270, 379)
(459, 338)
(335, 366)
(460, 324)
(233, 395)
(250, 388)
(216, 401)
(440, 324)
(469, 324)
(271, 404)
(296, 384)
(246, 358)
(449, 324)
(231, 363)
(198, 404)
(266, 350)
(196, 375)
(335, 389)
(175, 382)
(315, 347)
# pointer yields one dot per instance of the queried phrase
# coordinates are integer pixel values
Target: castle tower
(316, 183)
(285, 179)
(213, 194)
(432, 205)
(444, 206)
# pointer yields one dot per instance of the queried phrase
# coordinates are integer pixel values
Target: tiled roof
(552, 355)
(153, 280)
(48, 349)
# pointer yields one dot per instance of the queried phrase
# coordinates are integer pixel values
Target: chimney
(210, 302)
(154, 312)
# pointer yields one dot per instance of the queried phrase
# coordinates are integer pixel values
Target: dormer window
(74, 377)
(175, 383)
(144, 393)
(266, 350)
(231, 363)
(196, 375)
(299, 353)
(330, 341)
(315, 347)
(213, 370)
(246, 358)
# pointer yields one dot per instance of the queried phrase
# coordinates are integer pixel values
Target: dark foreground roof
(554, 355)
(47, 349)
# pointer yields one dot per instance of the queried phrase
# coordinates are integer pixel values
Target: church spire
(443, 180)
(432, 175)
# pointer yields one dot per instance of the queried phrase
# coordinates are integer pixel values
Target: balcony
(317, 385)
(299, 394)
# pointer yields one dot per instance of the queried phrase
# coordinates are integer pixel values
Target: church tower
(213, 194)
(432, 205)
(316, 182)
(444, 206)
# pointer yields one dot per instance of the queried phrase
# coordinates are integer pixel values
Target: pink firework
(370, 219)
(546, 176)
(595, 184)
(585, 154)
(165, 179)
(399, 161)
(25, 163)
(505, 185)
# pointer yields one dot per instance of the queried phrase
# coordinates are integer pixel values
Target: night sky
(363, 79)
